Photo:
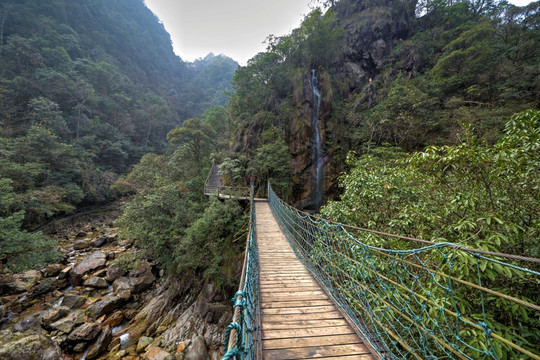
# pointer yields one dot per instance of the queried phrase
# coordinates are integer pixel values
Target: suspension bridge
(310, 289)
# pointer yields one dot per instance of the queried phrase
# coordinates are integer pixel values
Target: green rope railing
(415, 303)
(242, 335)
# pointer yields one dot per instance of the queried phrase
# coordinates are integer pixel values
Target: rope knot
(486, 328)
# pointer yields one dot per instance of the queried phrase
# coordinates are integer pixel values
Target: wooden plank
(299, 310)
(299, 324)
(307, 332)
(316, 352)
(314, 316)
(280, 289)
(285, 304)
(299, 321)
(320, 340)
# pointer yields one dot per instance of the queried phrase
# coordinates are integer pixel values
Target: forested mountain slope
(86, 88)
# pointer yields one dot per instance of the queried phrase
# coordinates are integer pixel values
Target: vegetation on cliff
(407, 73)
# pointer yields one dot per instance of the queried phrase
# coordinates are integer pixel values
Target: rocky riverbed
(106, 301)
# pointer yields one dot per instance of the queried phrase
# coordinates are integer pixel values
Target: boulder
(104, 306)
(101, 343)
(54, 314)
(114, 272)
(142, 277)
(100, 241)
(66, 324)
(81, 245)
(122, 283)
(143, 343)
(31, 347)
(94, 261)
(96, 282)
(156, 353)
(73, 301)
(85, 332)
(16, 284)
(197, 350)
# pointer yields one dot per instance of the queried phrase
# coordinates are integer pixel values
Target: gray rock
(96, 282)
(197, 350)
(65, 325)
(122, 283)
(114, 272)
(28, 322)
(80, 347)
(100, 241)
(31, 347)
(73, 301)
(101, 343)
(54, 314)
(141, 278)
(104, 306)
(85, 332)
(81, 245)
(81, 234)
(94, 261)
(143, 343)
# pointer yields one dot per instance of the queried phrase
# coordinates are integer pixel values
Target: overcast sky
(236, 28)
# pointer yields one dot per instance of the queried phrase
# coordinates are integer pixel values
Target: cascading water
(316, 155)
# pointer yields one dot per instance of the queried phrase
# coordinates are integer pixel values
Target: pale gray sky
(236, 28)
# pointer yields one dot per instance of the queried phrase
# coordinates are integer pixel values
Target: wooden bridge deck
(299, 321)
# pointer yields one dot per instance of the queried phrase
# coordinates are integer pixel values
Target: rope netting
(435, 302)
(242, 333)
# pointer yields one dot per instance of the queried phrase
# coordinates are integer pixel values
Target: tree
(194, 135)
(272, 163)
(22, 250)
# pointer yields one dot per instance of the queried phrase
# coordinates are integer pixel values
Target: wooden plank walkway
(299, 321)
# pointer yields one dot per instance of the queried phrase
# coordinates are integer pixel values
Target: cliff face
(369, 35)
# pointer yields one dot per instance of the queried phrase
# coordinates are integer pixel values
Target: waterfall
(316, 155)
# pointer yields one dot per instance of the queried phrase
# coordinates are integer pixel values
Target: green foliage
(480, 196)
(207, 247)
(469, 193)
(20, 249)
(169, 217)
(272, 163)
